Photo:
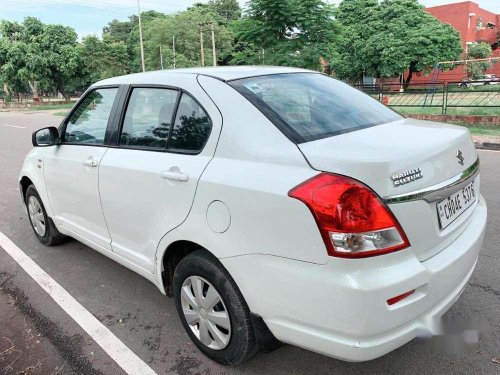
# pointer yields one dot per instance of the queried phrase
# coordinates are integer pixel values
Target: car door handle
(90, 162)
(174, 175)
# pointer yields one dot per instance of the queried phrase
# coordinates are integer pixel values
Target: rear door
(71, 169)
(148, 178)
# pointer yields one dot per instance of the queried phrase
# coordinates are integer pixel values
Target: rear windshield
(311, 106)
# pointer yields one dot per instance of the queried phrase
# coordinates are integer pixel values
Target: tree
(61, 64)
(478, 51)
(353, 15)
(103, 58)
(39, 55)
(227, 10)
(290, 32)
(128, 33)
(391, 38)
(19, 57)
(118, 31)
(185, 27)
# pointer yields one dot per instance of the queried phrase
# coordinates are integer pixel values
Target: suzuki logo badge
(460, 157)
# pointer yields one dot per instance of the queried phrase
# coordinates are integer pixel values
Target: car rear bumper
(340, 309)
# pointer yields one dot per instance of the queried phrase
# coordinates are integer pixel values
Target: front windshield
(311, 106)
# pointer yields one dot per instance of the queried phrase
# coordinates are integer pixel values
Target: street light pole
(140, 36)
(161, 58)
(201, 46)
(214, 57)
(173, 48)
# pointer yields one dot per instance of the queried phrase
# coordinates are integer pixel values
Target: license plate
(456, 204)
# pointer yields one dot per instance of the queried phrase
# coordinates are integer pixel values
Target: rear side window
(192, 127)
(148, 118)
(88, 122)
(310, 106)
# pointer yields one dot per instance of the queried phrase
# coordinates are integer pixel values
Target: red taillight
(352, 219)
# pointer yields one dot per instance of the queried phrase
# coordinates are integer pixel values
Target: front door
(148, 182)
(71, 169)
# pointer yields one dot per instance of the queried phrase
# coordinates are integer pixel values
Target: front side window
(148, 118)
(311, 106)
(88, 123)
(192, 127)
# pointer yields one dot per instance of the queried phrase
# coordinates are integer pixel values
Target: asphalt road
(146, 321)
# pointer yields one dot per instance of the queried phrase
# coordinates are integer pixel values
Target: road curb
(487, 145)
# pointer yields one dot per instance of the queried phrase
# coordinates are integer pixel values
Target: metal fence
(443, 96)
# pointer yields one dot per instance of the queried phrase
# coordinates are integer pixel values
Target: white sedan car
(275, 205)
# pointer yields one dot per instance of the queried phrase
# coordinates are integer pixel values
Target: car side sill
(108, 253)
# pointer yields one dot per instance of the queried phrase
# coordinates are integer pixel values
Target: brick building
(475, 25)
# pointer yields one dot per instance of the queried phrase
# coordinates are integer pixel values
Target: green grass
(474, 88)
(418, 110)
(49, 107)
(39, 108)
(479, 130)
(478, 111)
(476, 129)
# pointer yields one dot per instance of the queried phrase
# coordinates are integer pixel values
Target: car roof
(223, 73)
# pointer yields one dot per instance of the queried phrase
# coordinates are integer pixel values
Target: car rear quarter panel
(254, 167)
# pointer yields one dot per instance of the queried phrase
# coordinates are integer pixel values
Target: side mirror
(46, 137)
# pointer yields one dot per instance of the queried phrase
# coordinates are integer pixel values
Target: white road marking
(116, 349)
(15, 126)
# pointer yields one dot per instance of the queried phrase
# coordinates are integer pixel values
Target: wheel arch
(24, 183)
(27, 179)
(175, 252)
(32, 173)
(171, 257)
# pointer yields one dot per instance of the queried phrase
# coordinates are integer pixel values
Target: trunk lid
(418, 154)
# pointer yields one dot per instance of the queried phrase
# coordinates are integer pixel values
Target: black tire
(242, 344)
(51, 235)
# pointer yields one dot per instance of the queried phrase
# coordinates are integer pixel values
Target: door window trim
(114, 108)
(123, 113)
(123, 109)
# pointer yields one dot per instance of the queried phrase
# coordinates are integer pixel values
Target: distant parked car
(272, 203)
(487, 79)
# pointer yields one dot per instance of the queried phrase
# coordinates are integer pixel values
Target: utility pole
(214, 57)
(140, 36)
(161, 58)
(173, 48)
(201, 45)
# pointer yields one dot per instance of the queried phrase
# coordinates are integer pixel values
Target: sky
(90, 16)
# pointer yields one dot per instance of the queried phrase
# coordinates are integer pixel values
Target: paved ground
(38, 337)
